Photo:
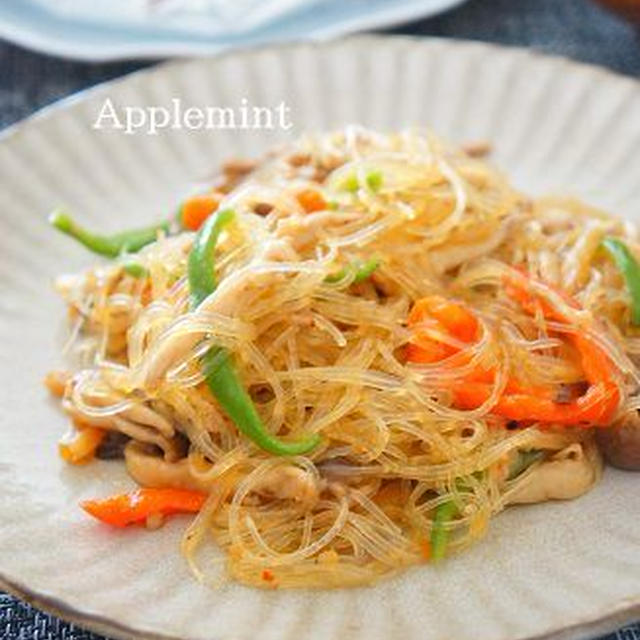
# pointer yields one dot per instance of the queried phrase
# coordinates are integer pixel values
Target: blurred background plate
(562, 570)
(116, 29)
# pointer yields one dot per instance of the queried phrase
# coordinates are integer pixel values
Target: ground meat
(263, 208)
(238, 167)
(299, 159)
(232, 173)
(477, 149)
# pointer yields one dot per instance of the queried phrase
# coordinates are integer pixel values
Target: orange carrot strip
(311, 200)
(81, 447)
(135, 507)
(425, 549)
(197, 209)
(56, 381)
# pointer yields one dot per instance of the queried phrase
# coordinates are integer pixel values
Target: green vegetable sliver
(630, 270)
(361, 271)
(439, 535)
(220, 374)
(135, 269)
(110, 246)
(522, 461)
(373, 180)
(225, 385)
(201, 266)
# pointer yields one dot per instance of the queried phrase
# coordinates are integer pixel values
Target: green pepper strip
(221, 376)
(361, 271)
(439, 535)
(630, 269)
(110, 246)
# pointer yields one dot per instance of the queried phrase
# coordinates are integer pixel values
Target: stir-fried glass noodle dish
(348, 357)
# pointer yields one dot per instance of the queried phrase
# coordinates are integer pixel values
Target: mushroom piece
(171, 447)
(570, 473)
(620, 443)
(151, 470)
(290, 483)
(223, 301)
(303, 232)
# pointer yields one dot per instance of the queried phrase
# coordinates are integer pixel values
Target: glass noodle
(320, 352)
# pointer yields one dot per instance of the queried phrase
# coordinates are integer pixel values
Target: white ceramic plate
(555, 570)
(115, 29)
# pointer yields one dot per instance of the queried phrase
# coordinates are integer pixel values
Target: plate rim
(581, 630)
(625, 611)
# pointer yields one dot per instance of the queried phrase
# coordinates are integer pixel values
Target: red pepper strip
(597, 406)
(453, 316)
(135, 507)
(445, 316)
(448, 316)
(596, 365)
(517, 285)
(488, 377)
(459, 322)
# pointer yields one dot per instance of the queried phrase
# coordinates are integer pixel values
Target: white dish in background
(118, 29)
(215, 18)
(558, 571)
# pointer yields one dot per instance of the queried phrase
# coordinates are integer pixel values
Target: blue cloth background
(575, 28)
